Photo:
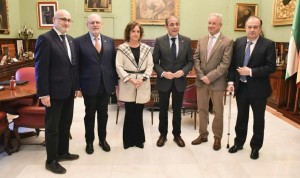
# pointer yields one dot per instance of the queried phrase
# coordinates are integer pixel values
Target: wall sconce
(26, 33)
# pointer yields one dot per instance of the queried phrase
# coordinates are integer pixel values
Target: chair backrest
(26, 73)
(190, 94)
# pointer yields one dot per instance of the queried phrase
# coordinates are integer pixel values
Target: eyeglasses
(65, 19)
(95, 22)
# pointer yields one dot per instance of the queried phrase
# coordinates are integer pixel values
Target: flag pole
(296, 100)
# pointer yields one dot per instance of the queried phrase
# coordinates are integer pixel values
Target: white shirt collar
(92, 37)
(172, 37)
(254, 41)
(216, 35)
(58, 32)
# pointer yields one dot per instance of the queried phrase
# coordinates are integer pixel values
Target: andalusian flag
(294, 46)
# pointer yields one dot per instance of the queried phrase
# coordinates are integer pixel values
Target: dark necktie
(246, 58)
(63, 37)
(173, 48)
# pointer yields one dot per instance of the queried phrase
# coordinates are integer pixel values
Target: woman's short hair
(129, 27)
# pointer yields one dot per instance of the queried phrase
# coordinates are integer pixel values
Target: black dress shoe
(235, 148)
(55, 167)
(67, 157)
(254, 154)
(104, 145)
(89, 149)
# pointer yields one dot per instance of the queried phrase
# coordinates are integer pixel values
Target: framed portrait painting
(97, 5)
(242, 12)
(4, 25)
(45, 12)
(283, 12)
(153, 12)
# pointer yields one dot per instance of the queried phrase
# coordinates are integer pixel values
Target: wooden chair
(28, 74)
(29, 117)
(190, 101)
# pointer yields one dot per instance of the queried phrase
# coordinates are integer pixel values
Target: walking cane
(229, 117)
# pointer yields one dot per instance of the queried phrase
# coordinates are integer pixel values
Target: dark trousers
(164, 107)
(133, 129)
(57, 130)
(98, 103)
(258, 107)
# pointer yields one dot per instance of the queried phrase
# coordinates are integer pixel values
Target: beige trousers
(203, 95)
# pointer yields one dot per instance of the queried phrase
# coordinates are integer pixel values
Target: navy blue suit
(97, 78)
(255, 92)
(56, 77)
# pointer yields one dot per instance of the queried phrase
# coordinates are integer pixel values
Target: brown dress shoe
(179, 141)
(161, 140)
(217, 144)
(199, 140)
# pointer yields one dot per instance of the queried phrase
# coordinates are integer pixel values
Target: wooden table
(21, 91)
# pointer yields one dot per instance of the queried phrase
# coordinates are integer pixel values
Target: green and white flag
(294, 46)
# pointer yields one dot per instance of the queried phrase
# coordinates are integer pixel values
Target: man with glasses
(56, 82)
(254, 59)
(97, 78)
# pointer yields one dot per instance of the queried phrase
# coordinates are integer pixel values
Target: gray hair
(218, 16)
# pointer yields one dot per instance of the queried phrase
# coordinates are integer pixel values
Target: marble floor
(279, 157)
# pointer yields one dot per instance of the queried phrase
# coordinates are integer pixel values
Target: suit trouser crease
(164, 107)
(93, 104)
(204, 93)
(258, 107)
(58, 123)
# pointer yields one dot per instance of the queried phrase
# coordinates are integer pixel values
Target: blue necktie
(246, 58)
(173, 48)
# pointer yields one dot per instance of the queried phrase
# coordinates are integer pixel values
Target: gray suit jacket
(163, 61)
(217, 65)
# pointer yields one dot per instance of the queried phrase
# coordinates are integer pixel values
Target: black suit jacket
(91, 69)
(262, 62)
(55, 74)
(163, 61)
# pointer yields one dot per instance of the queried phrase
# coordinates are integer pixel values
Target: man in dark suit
(56, 82)
(173, 60)
(254, 59)
(98, 78)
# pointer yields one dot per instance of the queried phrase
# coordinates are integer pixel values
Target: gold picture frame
(153, 12)
(242, 12)
(283, 12)
(98, 5)
(4, 25)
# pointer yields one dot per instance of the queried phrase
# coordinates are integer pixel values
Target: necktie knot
(173, 40)
(63, 37)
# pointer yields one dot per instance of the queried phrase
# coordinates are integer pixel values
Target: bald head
(62, 21)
